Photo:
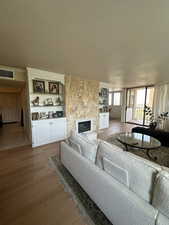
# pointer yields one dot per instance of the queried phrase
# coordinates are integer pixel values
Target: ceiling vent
(6, 74)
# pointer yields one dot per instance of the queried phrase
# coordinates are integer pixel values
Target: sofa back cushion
(87, 148)
(75, 145)
(161, 193)
(91, 136)
(136, 173)
(106, 150)
(115, 171)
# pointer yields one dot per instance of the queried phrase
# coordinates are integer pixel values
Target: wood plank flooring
(30, 191)
(12, 136)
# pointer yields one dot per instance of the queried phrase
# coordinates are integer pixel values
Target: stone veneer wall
(82, 101)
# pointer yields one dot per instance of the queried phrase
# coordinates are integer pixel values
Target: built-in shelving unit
(54, 90)
(103, 100)
(47, 106)
(103, 108)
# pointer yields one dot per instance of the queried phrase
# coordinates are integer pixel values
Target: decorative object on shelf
(50, 114)
(154, 121)
(48, 102)
(59, 113)
(38, 86)
(35, 102)
(54, 115)
(104, 92)
(43, 115)
(58, 101)
(54, 88)
(35, 116)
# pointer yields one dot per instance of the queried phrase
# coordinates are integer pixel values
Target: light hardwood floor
(30, 191)
(12, 136)
(115, 127)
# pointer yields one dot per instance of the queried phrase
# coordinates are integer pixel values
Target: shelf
(49, 119)
(42, 106)
(45, 93)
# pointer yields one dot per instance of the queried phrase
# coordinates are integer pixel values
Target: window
(110, 98)
(117, 98)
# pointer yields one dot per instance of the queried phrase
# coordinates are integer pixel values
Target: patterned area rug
(161, 154)
(91, 213)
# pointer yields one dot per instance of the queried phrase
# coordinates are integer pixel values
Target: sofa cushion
(105, 149)
(136, 173)
(75, 145)
(88, 148)
(161, 193)
(162, 220)
(115, 171)
(92, 136)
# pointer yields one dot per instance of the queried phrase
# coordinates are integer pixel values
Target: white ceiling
(122, 42)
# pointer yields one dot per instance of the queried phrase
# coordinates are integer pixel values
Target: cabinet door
(43, 134)
(101, 122)
(53, 131)
(34, 136)
(61, 129)
(58, 129)
(104, 120)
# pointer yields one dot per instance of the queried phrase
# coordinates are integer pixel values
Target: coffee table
(140, 142)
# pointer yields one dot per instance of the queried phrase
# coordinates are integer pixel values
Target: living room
(84, 113)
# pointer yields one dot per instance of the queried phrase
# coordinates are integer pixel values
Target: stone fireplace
(82, 104)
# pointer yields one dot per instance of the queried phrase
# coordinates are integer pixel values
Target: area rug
(87, 208)
(161, 154)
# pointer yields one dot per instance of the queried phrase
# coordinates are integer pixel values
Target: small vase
(153, 125)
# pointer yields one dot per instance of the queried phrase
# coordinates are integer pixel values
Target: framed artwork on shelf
(54, 88)
(38, 86)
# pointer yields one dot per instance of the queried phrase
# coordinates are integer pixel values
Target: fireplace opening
(84, 126)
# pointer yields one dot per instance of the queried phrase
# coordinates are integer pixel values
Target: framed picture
(38, 86)
(54, 88)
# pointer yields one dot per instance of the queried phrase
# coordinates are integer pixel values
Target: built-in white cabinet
(103, 120)
(48, 131)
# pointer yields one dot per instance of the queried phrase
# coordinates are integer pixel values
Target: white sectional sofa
(128, 189)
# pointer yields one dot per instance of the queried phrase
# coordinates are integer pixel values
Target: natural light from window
(140, 97)
(110, 98)
(116, 98)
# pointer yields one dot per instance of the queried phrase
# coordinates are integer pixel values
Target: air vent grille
(6, 74)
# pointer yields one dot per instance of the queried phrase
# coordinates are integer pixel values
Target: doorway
(137, 99)
(13, 113)
(115, 105)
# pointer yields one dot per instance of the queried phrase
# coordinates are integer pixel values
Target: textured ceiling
(122, 42)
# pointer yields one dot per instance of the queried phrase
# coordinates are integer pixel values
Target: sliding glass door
(137, 98)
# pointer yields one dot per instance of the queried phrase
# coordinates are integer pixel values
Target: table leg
(150, 156)
(126, 146)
